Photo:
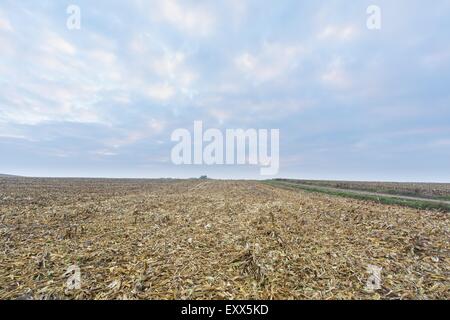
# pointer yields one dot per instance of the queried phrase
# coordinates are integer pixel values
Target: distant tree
(203, 177)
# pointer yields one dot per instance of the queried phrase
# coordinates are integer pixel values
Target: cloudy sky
(350, 103)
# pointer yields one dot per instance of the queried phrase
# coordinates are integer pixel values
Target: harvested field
(162, 239)
(438, 191)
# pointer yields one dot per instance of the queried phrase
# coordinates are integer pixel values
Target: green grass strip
(417, 204)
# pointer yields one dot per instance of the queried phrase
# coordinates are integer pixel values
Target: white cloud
(336, 75)
(194, 20)
(437, 59)
(59, 88)
(441, 143)
(105, 153)
(160, 92)
(151, 128)
(13, 136)
(343, 33)
(219, 114)
(23, 108)
(54, 43)
(252, 110)
(168, 64)
(62, 83)
(5, 24)
(272, 61)
(106, 66)
(238, 10)
(6, 47)
(246, 62)
(171, 67)
(103, 57)
(156, 125)
(166, 71)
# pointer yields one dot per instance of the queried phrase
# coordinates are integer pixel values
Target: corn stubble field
(194, 239)
(423, 190)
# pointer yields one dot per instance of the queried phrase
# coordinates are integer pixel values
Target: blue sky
(350, 103)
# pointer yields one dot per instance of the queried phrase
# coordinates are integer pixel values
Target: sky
(102, 101)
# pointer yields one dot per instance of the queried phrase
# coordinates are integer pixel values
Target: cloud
(150, 128)
(437, 59)
(239, 11)
(55, 44)
(171, 66)
(5, 24)
(219, 114)
(168, 74)
(308, 68)
(7, 47)
(160, 92)
(272, 60)
(105, 153)
(441, 143)
(342, 33)
(336, 75)
(195, 20)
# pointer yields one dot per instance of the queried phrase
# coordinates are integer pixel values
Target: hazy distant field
(426, 190)
(194, 239)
